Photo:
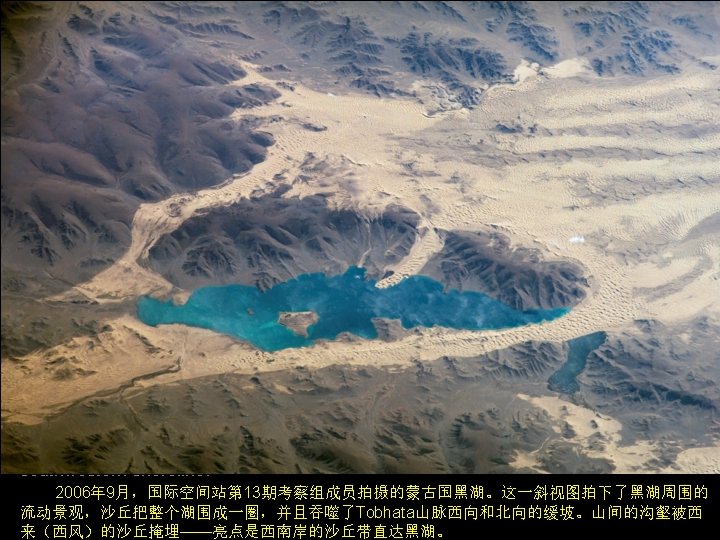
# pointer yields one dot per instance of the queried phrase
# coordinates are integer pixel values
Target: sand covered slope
(542, 157)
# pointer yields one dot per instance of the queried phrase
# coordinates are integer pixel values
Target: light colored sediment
(597, 435)
(426, 245)
(398, 155)
(702, 460)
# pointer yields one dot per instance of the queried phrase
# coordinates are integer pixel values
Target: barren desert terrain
(158, 148)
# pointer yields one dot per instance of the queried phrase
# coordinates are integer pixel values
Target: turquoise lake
(343, 303)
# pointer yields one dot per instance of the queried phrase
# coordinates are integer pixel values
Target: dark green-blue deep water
(343, 303)
(564, 379)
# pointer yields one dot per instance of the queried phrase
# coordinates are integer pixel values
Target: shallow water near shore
(343, 303)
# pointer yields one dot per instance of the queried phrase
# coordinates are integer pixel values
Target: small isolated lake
(564, 380)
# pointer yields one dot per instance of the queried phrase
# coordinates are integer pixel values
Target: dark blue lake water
(343, 303)
(564, 379)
